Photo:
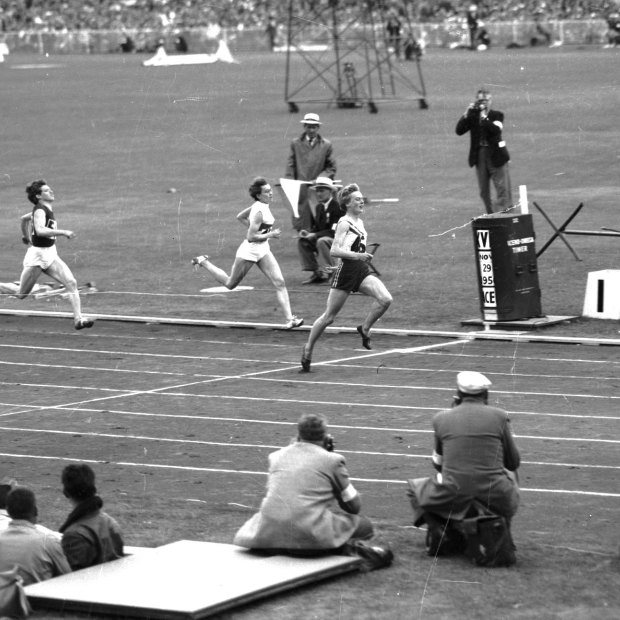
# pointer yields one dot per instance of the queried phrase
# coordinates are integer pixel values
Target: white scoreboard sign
(487, 278)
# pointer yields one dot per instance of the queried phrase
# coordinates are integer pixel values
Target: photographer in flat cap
(476, 458)
(310, 505)
(310, 156)
(314, 245)
(487, 150)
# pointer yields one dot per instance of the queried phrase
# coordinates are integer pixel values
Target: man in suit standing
(487, 151)
(310, 156)
(314, 245)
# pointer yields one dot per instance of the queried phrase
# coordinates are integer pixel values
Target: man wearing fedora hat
(475, 456)
(310, 156)
(314, 245)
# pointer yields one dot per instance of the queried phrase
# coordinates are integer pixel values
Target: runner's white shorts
(253, 251)
(40, 257)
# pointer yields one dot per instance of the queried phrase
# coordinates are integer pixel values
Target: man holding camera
(307, 483)
(487, 151)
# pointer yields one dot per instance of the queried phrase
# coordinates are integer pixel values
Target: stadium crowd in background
(59, 15)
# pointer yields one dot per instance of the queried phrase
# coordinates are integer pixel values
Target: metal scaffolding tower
(348, 58)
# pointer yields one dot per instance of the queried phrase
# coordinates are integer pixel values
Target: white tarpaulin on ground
(161, 59)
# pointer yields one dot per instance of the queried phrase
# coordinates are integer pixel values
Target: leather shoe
(315, 278)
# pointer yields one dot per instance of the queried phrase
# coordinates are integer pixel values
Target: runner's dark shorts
(350, 275)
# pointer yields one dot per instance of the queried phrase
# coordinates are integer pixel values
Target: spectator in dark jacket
(90, 536)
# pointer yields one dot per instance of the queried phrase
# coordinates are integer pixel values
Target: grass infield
(150, 166)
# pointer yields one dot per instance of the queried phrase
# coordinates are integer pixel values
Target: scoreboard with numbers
(507, 267)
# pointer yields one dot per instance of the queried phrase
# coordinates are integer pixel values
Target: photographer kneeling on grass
(307, 483)
(475, 493)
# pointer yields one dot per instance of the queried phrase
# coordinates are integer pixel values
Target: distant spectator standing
(310, 156)
(473, 20)
(393, 27)
(38, 555)
(271, 30)
(613, 30)
(90, 536)
(487, 150)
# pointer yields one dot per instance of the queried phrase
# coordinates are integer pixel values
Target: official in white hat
(476, 458)
(311, 119)
(310, 157)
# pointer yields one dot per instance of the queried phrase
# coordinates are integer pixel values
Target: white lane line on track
(263, 473)
(415, 388)
(226, 444)
(430, 410)
(242, 376)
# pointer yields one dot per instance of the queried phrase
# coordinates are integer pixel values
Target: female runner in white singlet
(255, 250)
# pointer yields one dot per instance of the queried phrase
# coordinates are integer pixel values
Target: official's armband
(499, 124)
(501, 144)
(349, 493)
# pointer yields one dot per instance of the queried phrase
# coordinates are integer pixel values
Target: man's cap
(483, 91)
(325, 182)
(471, 382)
(311, 119)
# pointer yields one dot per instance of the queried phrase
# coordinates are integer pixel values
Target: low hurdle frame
(562, 230)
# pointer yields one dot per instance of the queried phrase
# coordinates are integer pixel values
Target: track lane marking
(226, 444)
(264, 474)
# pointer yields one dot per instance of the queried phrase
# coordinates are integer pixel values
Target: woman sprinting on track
(255, 250)
(40, 232)
(352, 275)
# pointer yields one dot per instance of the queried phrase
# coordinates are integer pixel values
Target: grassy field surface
(163, 410)
(113, 138)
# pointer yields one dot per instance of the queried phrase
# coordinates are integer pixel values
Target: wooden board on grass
(185, 579)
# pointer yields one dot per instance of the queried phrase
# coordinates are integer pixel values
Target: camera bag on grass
(488, 541)
(13, 601)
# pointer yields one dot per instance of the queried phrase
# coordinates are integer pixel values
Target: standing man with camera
(487, 150)
(311, 505)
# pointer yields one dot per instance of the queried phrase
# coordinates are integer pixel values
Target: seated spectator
(90, 536)
(38, 555)
(307, 482)
(6, 486)
(314, 245)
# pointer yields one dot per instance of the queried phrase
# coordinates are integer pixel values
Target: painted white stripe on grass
(430, 410)
(263, 473)
(294, 424)
(193, 383)
(227, 444)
